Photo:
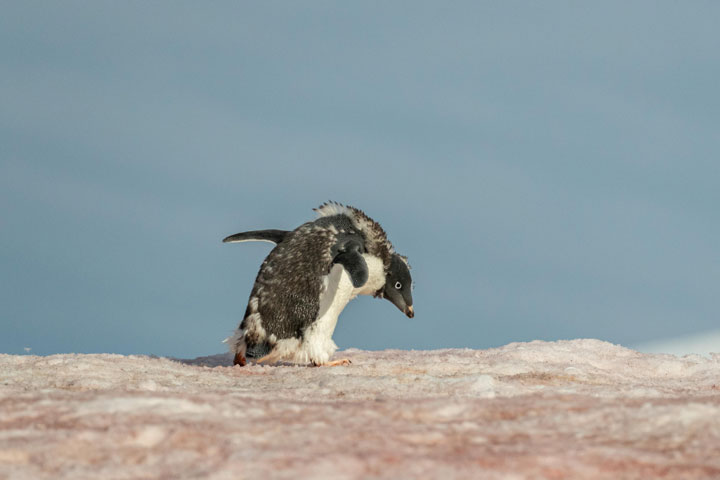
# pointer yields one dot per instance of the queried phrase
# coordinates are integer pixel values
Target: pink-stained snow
(566, 409)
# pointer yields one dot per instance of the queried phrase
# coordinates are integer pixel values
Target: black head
(398, 285)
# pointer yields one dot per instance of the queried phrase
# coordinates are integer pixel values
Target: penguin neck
(376, 276)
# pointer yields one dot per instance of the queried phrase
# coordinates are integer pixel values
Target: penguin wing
(350, 257)
(272, 236)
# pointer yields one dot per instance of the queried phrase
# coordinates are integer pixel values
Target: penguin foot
(334, 363)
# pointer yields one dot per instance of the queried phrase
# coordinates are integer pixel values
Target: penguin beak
(410, 311)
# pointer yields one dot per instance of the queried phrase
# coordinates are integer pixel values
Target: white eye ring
(398, 285)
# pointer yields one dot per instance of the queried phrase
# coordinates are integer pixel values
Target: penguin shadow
(219, 360)
(226, 360)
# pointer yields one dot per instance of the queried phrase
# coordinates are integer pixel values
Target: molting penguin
(307, 280)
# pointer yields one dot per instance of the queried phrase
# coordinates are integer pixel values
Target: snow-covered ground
(567, 409)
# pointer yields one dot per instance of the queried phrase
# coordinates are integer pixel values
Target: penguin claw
(336, 363)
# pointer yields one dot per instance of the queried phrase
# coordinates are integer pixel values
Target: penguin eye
(398, 285)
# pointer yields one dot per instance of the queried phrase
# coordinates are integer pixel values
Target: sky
(550, 169)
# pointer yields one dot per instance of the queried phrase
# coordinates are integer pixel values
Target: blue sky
(551, 169)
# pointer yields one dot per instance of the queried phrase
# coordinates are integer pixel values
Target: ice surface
(566, 409)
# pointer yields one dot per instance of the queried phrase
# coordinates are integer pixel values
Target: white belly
(318, 345)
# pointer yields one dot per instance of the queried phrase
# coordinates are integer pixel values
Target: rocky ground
(567, 409)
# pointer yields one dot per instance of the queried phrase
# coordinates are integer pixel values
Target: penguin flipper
(354, 263)
(272, 236)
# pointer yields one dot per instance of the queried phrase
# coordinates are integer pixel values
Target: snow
(566, 409)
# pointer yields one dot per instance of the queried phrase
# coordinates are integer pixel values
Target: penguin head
(398, 285)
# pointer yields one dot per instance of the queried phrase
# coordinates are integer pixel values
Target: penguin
(308, 278)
